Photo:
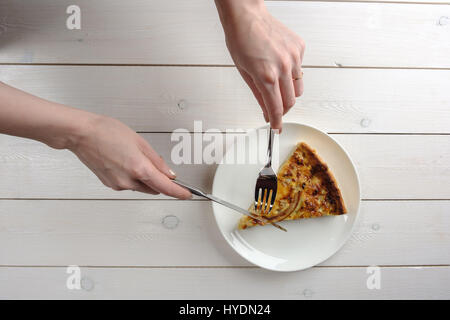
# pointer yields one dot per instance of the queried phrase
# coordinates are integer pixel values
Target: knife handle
(192, 189)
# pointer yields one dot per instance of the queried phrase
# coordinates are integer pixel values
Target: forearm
(25, 115)
(120, 158)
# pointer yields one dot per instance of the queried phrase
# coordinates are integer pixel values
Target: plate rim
(346, 238)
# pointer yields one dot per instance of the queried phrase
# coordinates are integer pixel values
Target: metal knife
(227, 204)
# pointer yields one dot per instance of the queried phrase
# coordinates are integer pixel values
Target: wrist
(78, 132)
(231, 11)
(74, 126)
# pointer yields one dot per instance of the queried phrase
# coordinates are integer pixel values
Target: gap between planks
(340, 66)
(223, 267)
(367, 1)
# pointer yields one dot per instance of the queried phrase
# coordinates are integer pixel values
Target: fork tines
(265, 201)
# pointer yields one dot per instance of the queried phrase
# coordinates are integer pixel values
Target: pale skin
(267, 54)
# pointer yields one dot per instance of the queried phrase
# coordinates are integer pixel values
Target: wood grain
(366, 73)
(167, 98)
(141, 283)
(389, 166)
(189, 32)
(176, 233)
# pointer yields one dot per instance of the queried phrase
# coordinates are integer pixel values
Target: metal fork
(266, 184)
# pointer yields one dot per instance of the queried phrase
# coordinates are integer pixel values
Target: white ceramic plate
(308, 242)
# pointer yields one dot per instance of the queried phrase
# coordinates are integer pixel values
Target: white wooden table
(377, 77)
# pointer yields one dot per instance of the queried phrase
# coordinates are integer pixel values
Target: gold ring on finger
(301, 77)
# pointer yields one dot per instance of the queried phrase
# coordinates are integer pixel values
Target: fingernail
(172, 173)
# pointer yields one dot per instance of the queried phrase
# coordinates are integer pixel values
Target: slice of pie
(306, 189)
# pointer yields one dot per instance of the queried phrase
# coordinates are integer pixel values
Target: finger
(297, 81)
(297, 87)
(301, 47)
(104, 179)
(161, 183)
(249, 80)
(287, 93)
(274, 103)
(301, 86)
(265, 115)
(156, 159)
(141, 187)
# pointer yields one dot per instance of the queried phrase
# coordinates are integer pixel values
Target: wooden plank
(167, 283)
(400, 167)
(176, 233)
(390, 167)
(394, 1)
(167, 98)
(66, 177)
(181, 32)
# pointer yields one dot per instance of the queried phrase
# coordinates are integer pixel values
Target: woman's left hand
(267, 54)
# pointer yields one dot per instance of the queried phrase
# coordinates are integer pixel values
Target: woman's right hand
(122, 159)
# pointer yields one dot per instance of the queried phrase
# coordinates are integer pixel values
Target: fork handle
(269, 148)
